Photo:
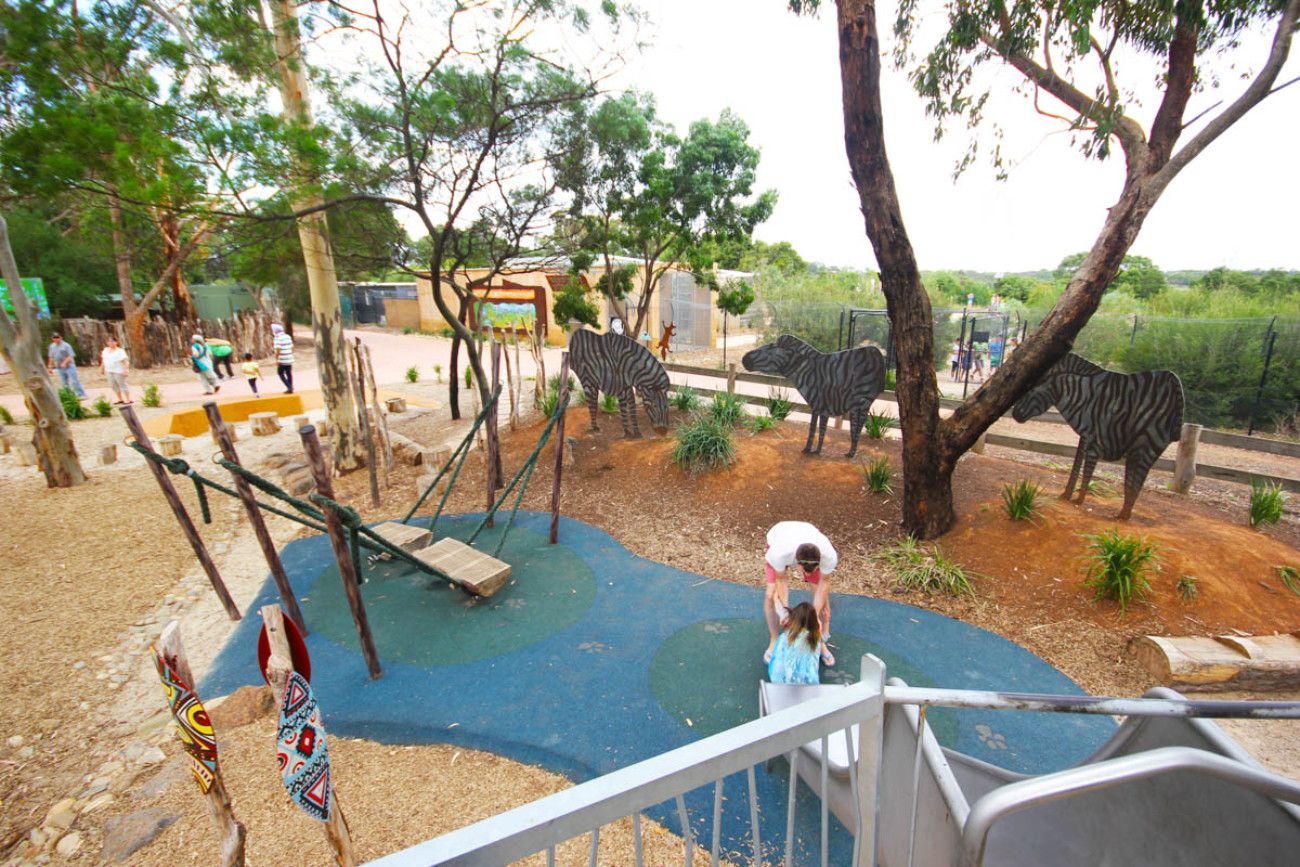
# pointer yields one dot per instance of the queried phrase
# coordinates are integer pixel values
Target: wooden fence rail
(247, 331)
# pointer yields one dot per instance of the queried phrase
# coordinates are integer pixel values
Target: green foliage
(703, 444)
(571, 303)
(412, 374)
(685, 398)
(447, 331)
(1267, 501)
(609, 403)
(437, 373)
(102, 407)
(1117, 567)
(923, 569)
(72, 407)
(469, 377)
(74, 267)
(1187, 588)
(778, 404)
(1020, 501)
(6, 417)
(727, 408)
(877, 423)
(891, 380)
(152, 396)
(759, 423)
(878, 475)
(1290, 577)
(735, 297)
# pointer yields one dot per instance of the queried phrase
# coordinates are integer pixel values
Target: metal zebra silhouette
(836, 383)
(1116, 415)
(617, 365)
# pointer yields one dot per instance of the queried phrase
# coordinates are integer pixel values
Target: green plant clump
(412, 374)
(6, 417)
(1186, 588)
(102, 407)
(1290, 577)
(1118, 567)
(878, 475)
(685, 398)
(928, 570)
(703, 444)
(1020, 501)
(759, 423)
(1266, 502)
(609, 402)
(437, 373)
(877, 423)
(727, 408)
(778, 404)
(152, 396)
(72, 407)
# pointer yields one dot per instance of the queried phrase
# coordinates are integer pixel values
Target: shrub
(437, 373)
(1020, 501)
(1186, 588)
(152, 396)
(412, 374)
(891, 380)
(447, 331)
(6, 417)
(1266, 502)
(727, 408)
(703, 443)
(1290, 577)
(878, 474)
(102, 407)
(877, 423)
(759, 423)
(685, 398)
(1118, 567)
(609, 402)
(469, 377)
(72, 407)
(927, 570)
(778, 404)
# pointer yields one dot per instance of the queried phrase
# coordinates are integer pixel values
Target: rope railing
(463, 451)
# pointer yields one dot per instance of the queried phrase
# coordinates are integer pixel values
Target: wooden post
(1185, 462)
(560, 443)
(170, 445)
(108, 454)
(178, 508)
(339, 542)
(278, 667)
(731, 378)
(222, 435)
(492, 444)
(265, 424)
(359, 392)
(980, 443)
(383, 419)
(230, 832)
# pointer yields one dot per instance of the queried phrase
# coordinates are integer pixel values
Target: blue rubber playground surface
(591, 659)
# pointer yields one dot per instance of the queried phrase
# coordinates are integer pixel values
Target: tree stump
(322, 429)
(108, 454)
(170, 445)
(299, 421)
(4, 444)
(230, 429)
(265, 424)
(26, 454)
(396, 404)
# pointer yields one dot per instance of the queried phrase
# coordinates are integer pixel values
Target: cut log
(396, 404)
(265, 424)
(406, 450)
(300, 421)
(477, 572)
(1223, 662)
(422, 484)
(170, 445)
(404, 536)
(108, 454)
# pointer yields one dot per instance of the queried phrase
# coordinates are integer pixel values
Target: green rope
(266, 487)
(529, 461)
(463, 451)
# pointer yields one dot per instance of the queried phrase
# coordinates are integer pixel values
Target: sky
(1236, 205)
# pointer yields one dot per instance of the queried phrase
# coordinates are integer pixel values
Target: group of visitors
(209, 356)
(973, 358)
(798, 637)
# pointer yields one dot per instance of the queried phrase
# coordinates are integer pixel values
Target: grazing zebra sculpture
(836, 383)
(1129, 415)
(616, 364)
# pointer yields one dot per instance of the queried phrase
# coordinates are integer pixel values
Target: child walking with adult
(792, 543)
(252, 371)
(221, 354)
(113, 362)
(201, 359)
(799, 650)
(283, 346)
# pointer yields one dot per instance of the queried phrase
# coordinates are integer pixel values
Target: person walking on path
(283, 345)
(221, 352)
(201, 358)
(114, 363)
(790, 543)
(62, 359)
(252, 371)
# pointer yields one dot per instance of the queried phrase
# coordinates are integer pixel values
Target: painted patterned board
(480, 574)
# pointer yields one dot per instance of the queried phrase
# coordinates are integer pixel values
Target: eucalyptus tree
(1067, 54)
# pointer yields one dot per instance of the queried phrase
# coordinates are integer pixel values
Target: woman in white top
(114, 363)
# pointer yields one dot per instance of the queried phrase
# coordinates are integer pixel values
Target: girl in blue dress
(799, 648)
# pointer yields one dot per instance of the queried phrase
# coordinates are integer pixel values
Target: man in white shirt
(283, 346)
(791, 543)
(113, 363)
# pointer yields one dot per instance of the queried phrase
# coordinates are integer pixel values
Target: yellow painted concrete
(193, 422)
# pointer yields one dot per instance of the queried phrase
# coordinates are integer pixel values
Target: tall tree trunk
(313, 232)
(133, 314)
(453, 374)
(20, 343)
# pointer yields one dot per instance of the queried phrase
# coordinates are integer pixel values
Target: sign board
(509, 307)
(35, 290)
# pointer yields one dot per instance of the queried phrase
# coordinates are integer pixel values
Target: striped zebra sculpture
(616, 365)
(1128, 415)
(837, 383)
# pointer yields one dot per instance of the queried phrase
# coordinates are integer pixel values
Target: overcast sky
(1237, 204)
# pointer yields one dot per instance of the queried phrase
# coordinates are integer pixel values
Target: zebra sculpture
(837, 383)
(616, 364)
(1129, 415)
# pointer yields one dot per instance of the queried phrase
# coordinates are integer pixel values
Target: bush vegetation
(102, 407)
(685, 398)
(412, 373)
(703, 444)
(1266, 502)
(1020, 501)
(878, 474)
(927, 570)
(152, 396)
(728, 408)
(72, 407)
(877, 423)
(778, 404)
(6, 417)
(1118, 567)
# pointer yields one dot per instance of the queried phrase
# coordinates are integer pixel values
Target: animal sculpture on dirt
(618, 365)
(668, 330)
(1116, 415)
(832, 384)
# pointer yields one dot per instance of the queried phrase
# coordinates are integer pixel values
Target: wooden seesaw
(472, 570)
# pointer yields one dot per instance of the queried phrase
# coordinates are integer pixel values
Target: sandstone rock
(124, 835)
(172, 772)
(69, 844)
(62, 814)
(243, 706)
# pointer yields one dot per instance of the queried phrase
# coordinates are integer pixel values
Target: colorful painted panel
(192, 722)
(302, 751)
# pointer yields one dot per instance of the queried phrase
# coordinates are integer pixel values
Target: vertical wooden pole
(1185, 462)
(278, 667)
(339, 542)
(230, 832)
(559, 448)
(491, 425)
(178, 508)
(359, 392)
(381, 417)
(249, 500)
(731, 378)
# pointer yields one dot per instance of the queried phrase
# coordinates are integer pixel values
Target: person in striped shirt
(283, 346)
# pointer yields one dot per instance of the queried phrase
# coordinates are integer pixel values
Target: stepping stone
(265, 424)
(403, 536)
(479, 573)
(170, 445)
(396, 404)
(123, 835)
